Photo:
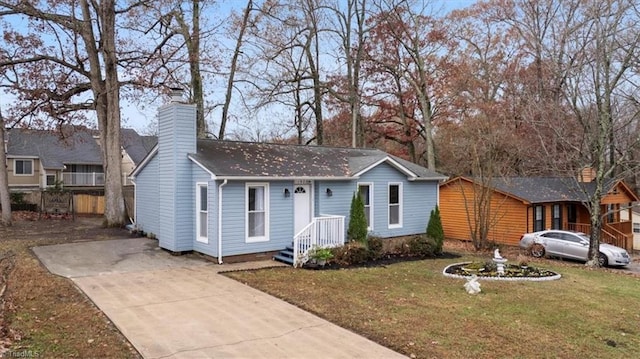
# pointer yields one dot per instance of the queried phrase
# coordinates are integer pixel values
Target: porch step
(285, 255)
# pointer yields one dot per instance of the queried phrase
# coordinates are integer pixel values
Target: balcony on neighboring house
(89, 179)
(83, 179)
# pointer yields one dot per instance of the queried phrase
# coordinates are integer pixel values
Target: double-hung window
(557, 217)
(395, 205)
(538, 218)
(366, 193)
(257, 204)
(202, 214)
(22, 167)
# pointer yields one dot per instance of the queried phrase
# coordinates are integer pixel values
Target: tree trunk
(317, 92)
(5, 199)
(194, 67)
(107, 100)
(594, 237)
(191, 37)
(232, 72)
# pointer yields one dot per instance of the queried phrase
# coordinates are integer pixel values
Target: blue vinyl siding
(419, 198)
(340, 201)
(147, 202)
(234, 215)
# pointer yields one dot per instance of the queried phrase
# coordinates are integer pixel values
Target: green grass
(412, 308)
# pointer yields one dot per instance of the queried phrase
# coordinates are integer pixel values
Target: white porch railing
(325, 231)
(83, 178)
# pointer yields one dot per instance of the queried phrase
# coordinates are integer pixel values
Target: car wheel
(537, 250)
(602, 260)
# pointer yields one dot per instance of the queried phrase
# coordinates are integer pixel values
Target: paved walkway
(180, 307)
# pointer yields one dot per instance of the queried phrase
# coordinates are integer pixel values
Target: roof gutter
(287, 178)
(440, 178)
(220, 221)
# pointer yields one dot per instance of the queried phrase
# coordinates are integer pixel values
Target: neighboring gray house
(134, 149)
(225, 198)
(40, 158)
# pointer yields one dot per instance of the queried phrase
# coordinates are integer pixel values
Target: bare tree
(349, 28)
(282, 64)
(172, 48)
(413, 28)
(587, 50)
(232, 71)
(82, 59)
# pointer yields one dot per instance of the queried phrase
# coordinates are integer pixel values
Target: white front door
(301, 206)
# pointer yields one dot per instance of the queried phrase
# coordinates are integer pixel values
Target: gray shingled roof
(135, 145)
(55, 149)
(249, 159)
(548, 189)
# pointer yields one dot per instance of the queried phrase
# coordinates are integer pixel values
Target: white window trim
(200, 238)
(400, 205)
(264, 238)
(21, 174)
(371, 211)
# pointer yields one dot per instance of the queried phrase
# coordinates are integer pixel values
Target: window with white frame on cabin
(23, 167)
(365, 194)
(395, 205)
(257, 212)
(636, 227)
(202, 212)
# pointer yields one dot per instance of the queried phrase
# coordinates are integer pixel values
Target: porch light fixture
(329, 192)
(287, 194)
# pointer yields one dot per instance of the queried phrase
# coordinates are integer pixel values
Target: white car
(572, 245)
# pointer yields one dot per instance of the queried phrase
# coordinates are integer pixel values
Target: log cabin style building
(519, 205)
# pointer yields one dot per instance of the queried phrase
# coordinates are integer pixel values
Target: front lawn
(412, 308)
(46, 316)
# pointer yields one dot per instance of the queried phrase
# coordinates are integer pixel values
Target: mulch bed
(382, 262)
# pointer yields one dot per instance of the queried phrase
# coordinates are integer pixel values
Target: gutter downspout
(220, 221)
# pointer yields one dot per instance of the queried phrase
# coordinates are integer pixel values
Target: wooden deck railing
(325, 231)
(619, 238)
(580, 227)
(618, 233)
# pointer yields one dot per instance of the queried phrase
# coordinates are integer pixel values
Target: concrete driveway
(181, 307)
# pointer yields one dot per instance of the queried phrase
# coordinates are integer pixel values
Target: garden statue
(472, 286)
(499, 261)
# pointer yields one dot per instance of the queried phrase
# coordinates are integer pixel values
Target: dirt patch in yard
(45, 315)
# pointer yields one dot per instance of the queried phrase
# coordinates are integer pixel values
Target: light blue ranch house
(227, 198)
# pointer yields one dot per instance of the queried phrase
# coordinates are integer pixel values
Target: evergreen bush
(435, 231)
(357, 230)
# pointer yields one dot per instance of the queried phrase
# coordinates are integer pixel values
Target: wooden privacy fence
(88, 203)
(93, 203)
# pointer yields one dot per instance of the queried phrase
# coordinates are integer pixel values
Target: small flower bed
(489, 270)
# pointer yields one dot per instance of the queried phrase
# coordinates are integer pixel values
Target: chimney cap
(176, 94)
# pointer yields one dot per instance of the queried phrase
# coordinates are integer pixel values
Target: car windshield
(583, 236)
